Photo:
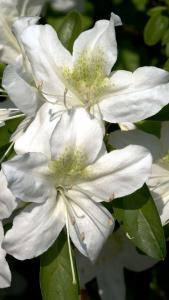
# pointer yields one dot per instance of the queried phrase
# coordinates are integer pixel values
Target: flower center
(87, 78)
(69, 168)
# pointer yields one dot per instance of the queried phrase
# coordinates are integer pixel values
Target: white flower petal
(7, 200)
(20, 89)
(118, 173)
(10, 10)
(111, 282)
(92, 224)
(21, 24)
(5, 274)
(35, 229)
(77, 132)
(120, 139)
(29, 8)
(47, 57)
(9, 47)
(100, 38)
(118, 253)
(147, 93)
(66, 5)
(158, 184)
(27, 177)
(20, 129)
(37, 136)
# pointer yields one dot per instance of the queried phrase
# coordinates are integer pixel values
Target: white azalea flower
(158, 182)
(10, 11)
(118, 253)
(66, 183)
(19, 84)
(7, 205)
(85, 79)
(5, 274)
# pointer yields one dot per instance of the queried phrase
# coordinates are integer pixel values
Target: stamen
(86, 193)
(15, 117)
(65, 92)
(68, 236)
(53, 116)
(111, 198)
(10, 113)
(6, 153)
(82, 236)
(87, 212)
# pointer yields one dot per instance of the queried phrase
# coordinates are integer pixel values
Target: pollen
(87, 77)
(69, 168)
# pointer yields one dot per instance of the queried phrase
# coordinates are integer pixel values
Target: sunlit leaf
(155, 28)
(70, 29)
(140, 220)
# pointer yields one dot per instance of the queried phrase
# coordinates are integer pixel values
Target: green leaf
(167, 50)
(140, 5)
(155, 28)
(156, 10)
(70, 29)
(4, 135)
(140, 220)
(152, 127)
(165, 39)
(166, 66)
(162, 115)
(55, 272)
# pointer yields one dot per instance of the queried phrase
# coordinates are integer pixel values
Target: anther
(82, 236)
(73, 221)
(110, 221)
(129, 237)
(111, 198)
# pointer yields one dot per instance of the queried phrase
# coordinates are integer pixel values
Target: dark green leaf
(165, 38)
(166, 66)
(152, 127)
(55, 273)
(162, 115)
(167, 50)
(4, 135)
(140, 5)
(140, 220)
(155, 28)
(70, 29)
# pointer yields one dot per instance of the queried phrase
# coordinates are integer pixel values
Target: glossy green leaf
(70, 29)
(55, 273)
(140, 220)
(155, 28)
(55, 21)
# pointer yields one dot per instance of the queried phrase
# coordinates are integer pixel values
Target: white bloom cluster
(62, 170)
